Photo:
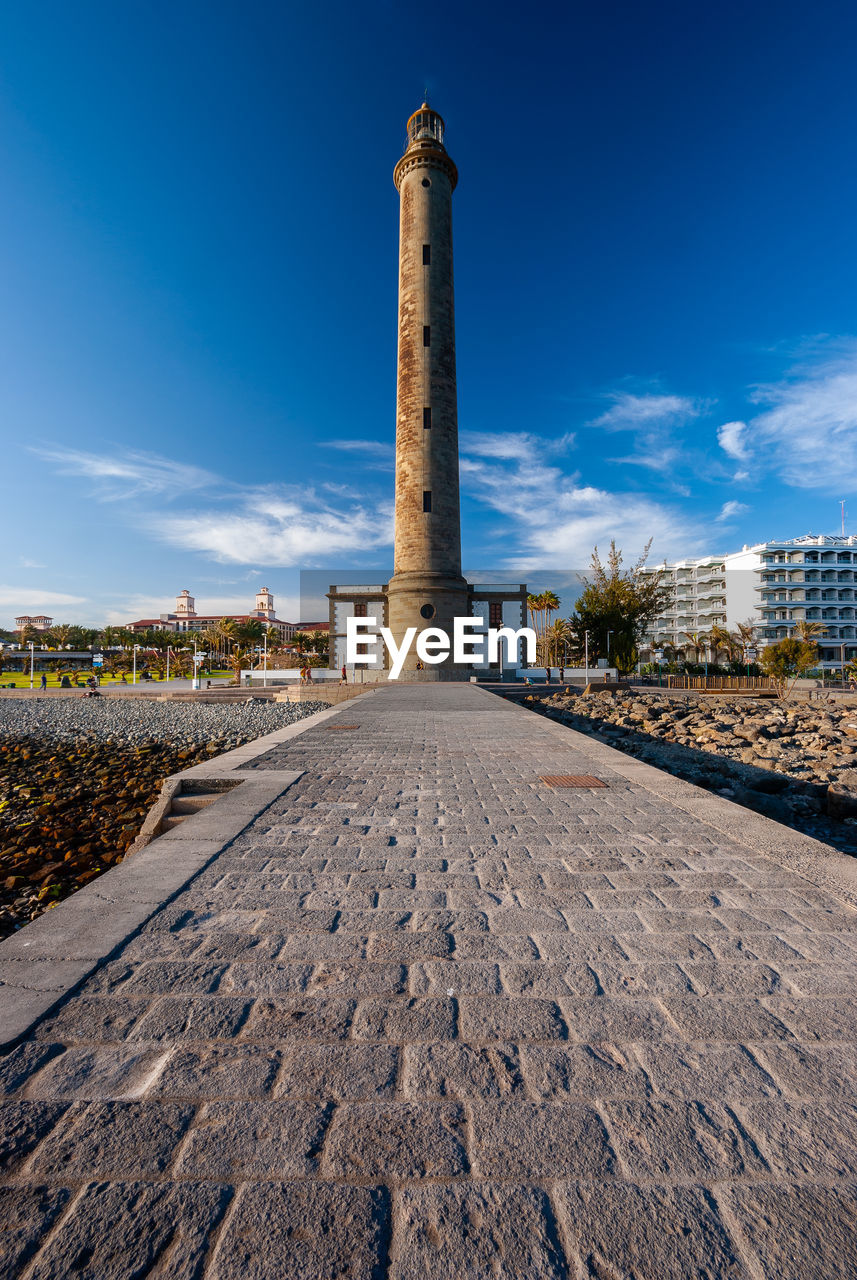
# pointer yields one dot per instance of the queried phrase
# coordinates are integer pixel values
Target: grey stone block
(23, 1124)
(799, 1230)
(303, 1231)
(396, 1140)
(462, 1071)
(679, 1140)
(539, 1140)
(118, 1139)
(473, 1230)
(27, 1214)
(405, 1020)
(340, 1071)
(239, 1140)
(314, 1018)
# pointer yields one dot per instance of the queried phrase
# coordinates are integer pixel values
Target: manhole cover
(572, 780)
(331, 728)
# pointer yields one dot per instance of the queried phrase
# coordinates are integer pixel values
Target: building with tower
(427, 588)
(186, 619)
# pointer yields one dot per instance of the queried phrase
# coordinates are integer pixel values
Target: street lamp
(751, 657)
(609, 634)
(659, 657)
(265, 663)
(586, 657)
(31, 646)
(134, 668)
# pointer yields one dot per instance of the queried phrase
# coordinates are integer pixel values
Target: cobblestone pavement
(429, 1017)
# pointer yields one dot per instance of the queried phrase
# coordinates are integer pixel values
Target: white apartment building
(777, 584)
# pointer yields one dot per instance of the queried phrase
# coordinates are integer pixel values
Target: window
(426, 182)
(360, 608)
(426, 419)
(427, 611)
(495, 613)
(426, 335)
(426, 255)
(426, 500)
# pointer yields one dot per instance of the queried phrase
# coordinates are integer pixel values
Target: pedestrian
(309, 678)
(547, 675)
(343, 675)
(561, 675)
(44, 682)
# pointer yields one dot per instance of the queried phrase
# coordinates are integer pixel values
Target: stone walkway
(429, 1017)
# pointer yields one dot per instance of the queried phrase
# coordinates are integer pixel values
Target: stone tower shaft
(427, 588)
(428, 538)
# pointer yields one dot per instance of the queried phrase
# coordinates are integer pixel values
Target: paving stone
(119, 1139)
(406, 1019)
(673, 1233)
(799, 1231)
(231, 1141)
(505, 1018)
(192, 1018)
(265, 979)
(303, 1231)
(19, 1065)
(473, 1230)
(681, 1140)
(396, 1140)
(477, 977)
(805, 1140)
(818, 1018)
(462, 1071)
(539, 1140)
(217, 1071)
(582, 1071)
(716, 1018)
(702, 1070)
(94, 1019)
(26, 1214)
(811, 1071)
(101, 1072)
(617, 1019)
(23, 1124)
(347, 1071)
(119, 1230)
(284, 1018)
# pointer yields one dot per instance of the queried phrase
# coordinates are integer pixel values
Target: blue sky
(655, 284)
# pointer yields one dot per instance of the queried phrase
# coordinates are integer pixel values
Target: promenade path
(431, 1017)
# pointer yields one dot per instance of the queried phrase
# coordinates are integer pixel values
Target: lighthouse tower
(427, 589)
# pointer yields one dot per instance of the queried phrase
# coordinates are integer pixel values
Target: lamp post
(31, 646)
(265, 663)
(609, 634)
(586, 658)
(134, 665)
(751, 657)
(168, 663)
(195, 681)
(659, 657)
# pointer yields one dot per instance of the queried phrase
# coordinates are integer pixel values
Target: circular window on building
(427, 611)
(426, 182)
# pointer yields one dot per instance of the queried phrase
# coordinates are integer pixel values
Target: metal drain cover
(572, 780)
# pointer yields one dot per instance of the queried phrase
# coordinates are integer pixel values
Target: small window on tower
(426, 335)
(360, 608)
(426, 255)
(426, 419)
(495, 614)
(426, 500)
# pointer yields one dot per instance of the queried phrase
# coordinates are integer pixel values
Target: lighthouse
(427, 588)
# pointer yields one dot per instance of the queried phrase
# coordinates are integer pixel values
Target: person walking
(343, 675)
(43, 683)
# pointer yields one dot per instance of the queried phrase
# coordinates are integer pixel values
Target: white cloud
(279, 527)
(628, 412)
(26, 599)
(512, 444)
(31, 564)
(376, 448)
(730, 509)
(740, 476)
(129, 474)
(557, 520)
(730, 437)
(810, 424)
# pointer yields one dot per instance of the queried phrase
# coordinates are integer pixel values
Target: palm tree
(300, 641)
(724, 641)
(697, 640)
(539, 608)
(558, 635)
(809, 632)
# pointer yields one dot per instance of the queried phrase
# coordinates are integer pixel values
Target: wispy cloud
(128, 474)
(731, 438)
(556, 520)
(628, 412)
(280, 527)
(731, 509)
(513, 444)
(376, 448)
(31, 564)
(810, 422)
(26, 599)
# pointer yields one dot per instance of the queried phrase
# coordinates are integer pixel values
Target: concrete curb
(46, 960)
(820, 864)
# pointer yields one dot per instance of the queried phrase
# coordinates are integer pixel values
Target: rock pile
(793, 761)
(78, 778)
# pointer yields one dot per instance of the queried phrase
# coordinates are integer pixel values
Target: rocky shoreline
(77, 779)
(795, 762)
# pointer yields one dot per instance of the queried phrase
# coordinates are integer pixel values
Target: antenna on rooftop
(842, 508)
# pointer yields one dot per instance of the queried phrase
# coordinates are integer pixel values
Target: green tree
(623, 602)
(786, 661)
